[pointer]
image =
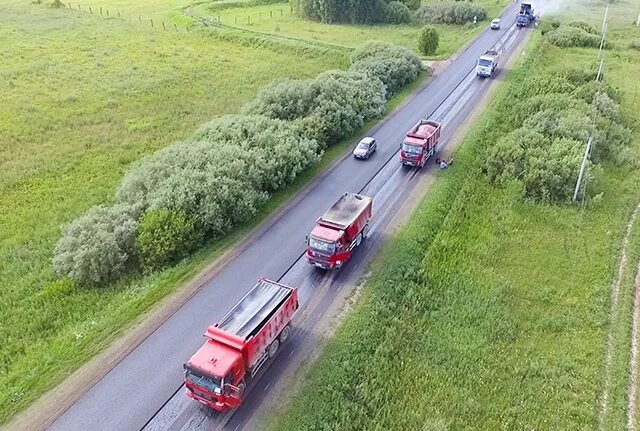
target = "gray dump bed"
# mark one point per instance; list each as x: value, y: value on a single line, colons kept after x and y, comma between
x: 346, y: 211
x: 255, y: 309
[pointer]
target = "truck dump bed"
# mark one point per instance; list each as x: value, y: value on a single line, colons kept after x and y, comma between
x: 255, y: 309
x: 346, y: 211
x: 424, y: 129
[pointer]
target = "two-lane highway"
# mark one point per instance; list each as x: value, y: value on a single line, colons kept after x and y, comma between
x: 144, y: 389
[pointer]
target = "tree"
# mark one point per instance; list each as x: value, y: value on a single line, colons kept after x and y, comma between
x: 428, y: 40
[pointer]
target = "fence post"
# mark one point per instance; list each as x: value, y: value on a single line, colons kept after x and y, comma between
x: 584, y: 164
x: 107, y: 12
x: 79, y: 6
x: 175, y: 26
x: 100, y: 10
x: 280, y: 12
x: 69, y: 5
x: 270, y: 14
x: 118, y: 14
x: 163, y: 27
x: 249, y: 19
x: 90, y: 11
x: 140, y: 19
x: 151, y: 23
x: 235, y: 20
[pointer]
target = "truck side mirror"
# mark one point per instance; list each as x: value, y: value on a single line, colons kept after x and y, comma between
x: 306, y: 239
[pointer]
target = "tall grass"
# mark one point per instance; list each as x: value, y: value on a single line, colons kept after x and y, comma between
x: 486, y: 312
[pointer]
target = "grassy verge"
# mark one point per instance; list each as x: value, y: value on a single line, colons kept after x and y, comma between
x: 277, y: 19
x: 487, y: 312
x: 104, y: 94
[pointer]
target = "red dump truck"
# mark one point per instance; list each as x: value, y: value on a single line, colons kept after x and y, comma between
x: 239, y: 344
x: 341, y: 229
x: 420, y: 143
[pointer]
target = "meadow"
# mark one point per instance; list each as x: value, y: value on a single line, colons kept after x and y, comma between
x: 277, y: 19
x: 489, y: 312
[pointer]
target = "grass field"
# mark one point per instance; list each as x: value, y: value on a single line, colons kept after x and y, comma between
x: 488, y: 313
x: 278, y: 19
x: 83, y: 97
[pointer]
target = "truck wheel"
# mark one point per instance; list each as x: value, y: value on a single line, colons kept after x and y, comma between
x: 364, y: 231
x: 359, y: 239
x: 284, y: 335
x: 273, y: 348
x: 241, y: 387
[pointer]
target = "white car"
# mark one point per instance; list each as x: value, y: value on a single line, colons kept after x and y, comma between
x: 495, y: 24
x: 365, y: 148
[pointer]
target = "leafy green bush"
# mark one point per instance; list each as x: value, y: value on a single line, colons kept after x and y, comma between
x: 397, y: 12
x: 584, y: 26
x: 450, y: 13
x: 428, y: 40
x: 412, y: 4
x: 341, y: 11
x: 340, y: 102
x: 165, y: 237
x: 95, y: 248
x: 225, y: 174
x: 566, y: 36
x: 634, y: 44
x: 548, y: 24
x: 395, y: 66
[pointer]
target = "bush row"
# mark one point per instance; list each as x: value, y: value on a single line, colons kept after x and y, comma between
x: 201, y: 188
x: 557, y: 116
x: 577, y: 34
x: 450, y: 13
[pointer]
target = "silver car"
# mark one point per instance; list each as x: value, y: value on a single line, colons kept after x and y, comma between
x: 495, y: 24
x: 365, y: 148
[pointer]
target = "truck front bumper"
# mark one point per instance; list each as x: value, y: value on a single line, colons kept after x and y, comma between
x: 215, y: 405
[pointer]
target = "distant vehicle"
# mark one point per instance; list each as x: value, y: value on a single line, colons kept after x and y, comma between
x: 341, y: 229
x: 239, y: 344
x: 420, y: 143
x: 366, y: 147
x: 495, y: 24
x: 525, y: 16
x: 487, y: 64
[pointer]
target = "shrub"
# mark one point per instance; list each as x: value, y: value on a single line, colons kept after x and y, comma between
x: 338, y: 101
x: 548, y: 24
x: 412, y: 4
x: 634, y: 44
x: 165, y: 237
x: 428, y: 40
x: 341, y: 11
x: 95, y: 248
x: 395, y: 66
x: 584, y: 26
x: 397, y: 13
x: 450, y: 13
x: 566, y: 37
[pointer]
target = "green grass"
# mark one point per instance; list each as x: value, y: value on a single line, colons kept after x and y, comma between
x: 277, y: 19
x: 485, y: 312
x: 84, y: 97
x: 72, y: 122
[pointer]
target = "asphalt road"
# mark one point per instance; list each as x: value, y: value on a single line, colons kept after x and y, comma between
x: 144, y: 390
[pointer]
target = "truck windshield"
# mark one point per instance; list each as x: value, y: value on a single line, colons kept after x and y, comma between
x: 484, y: 62
x: 211, y: 384
x: 411, y: 149
x: 322, y: 246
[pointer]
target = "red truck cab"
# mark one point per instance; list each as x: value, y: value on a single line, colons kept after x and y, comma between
x: 239, y: 344
x: 341, y: 229
x: 420, y: 143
